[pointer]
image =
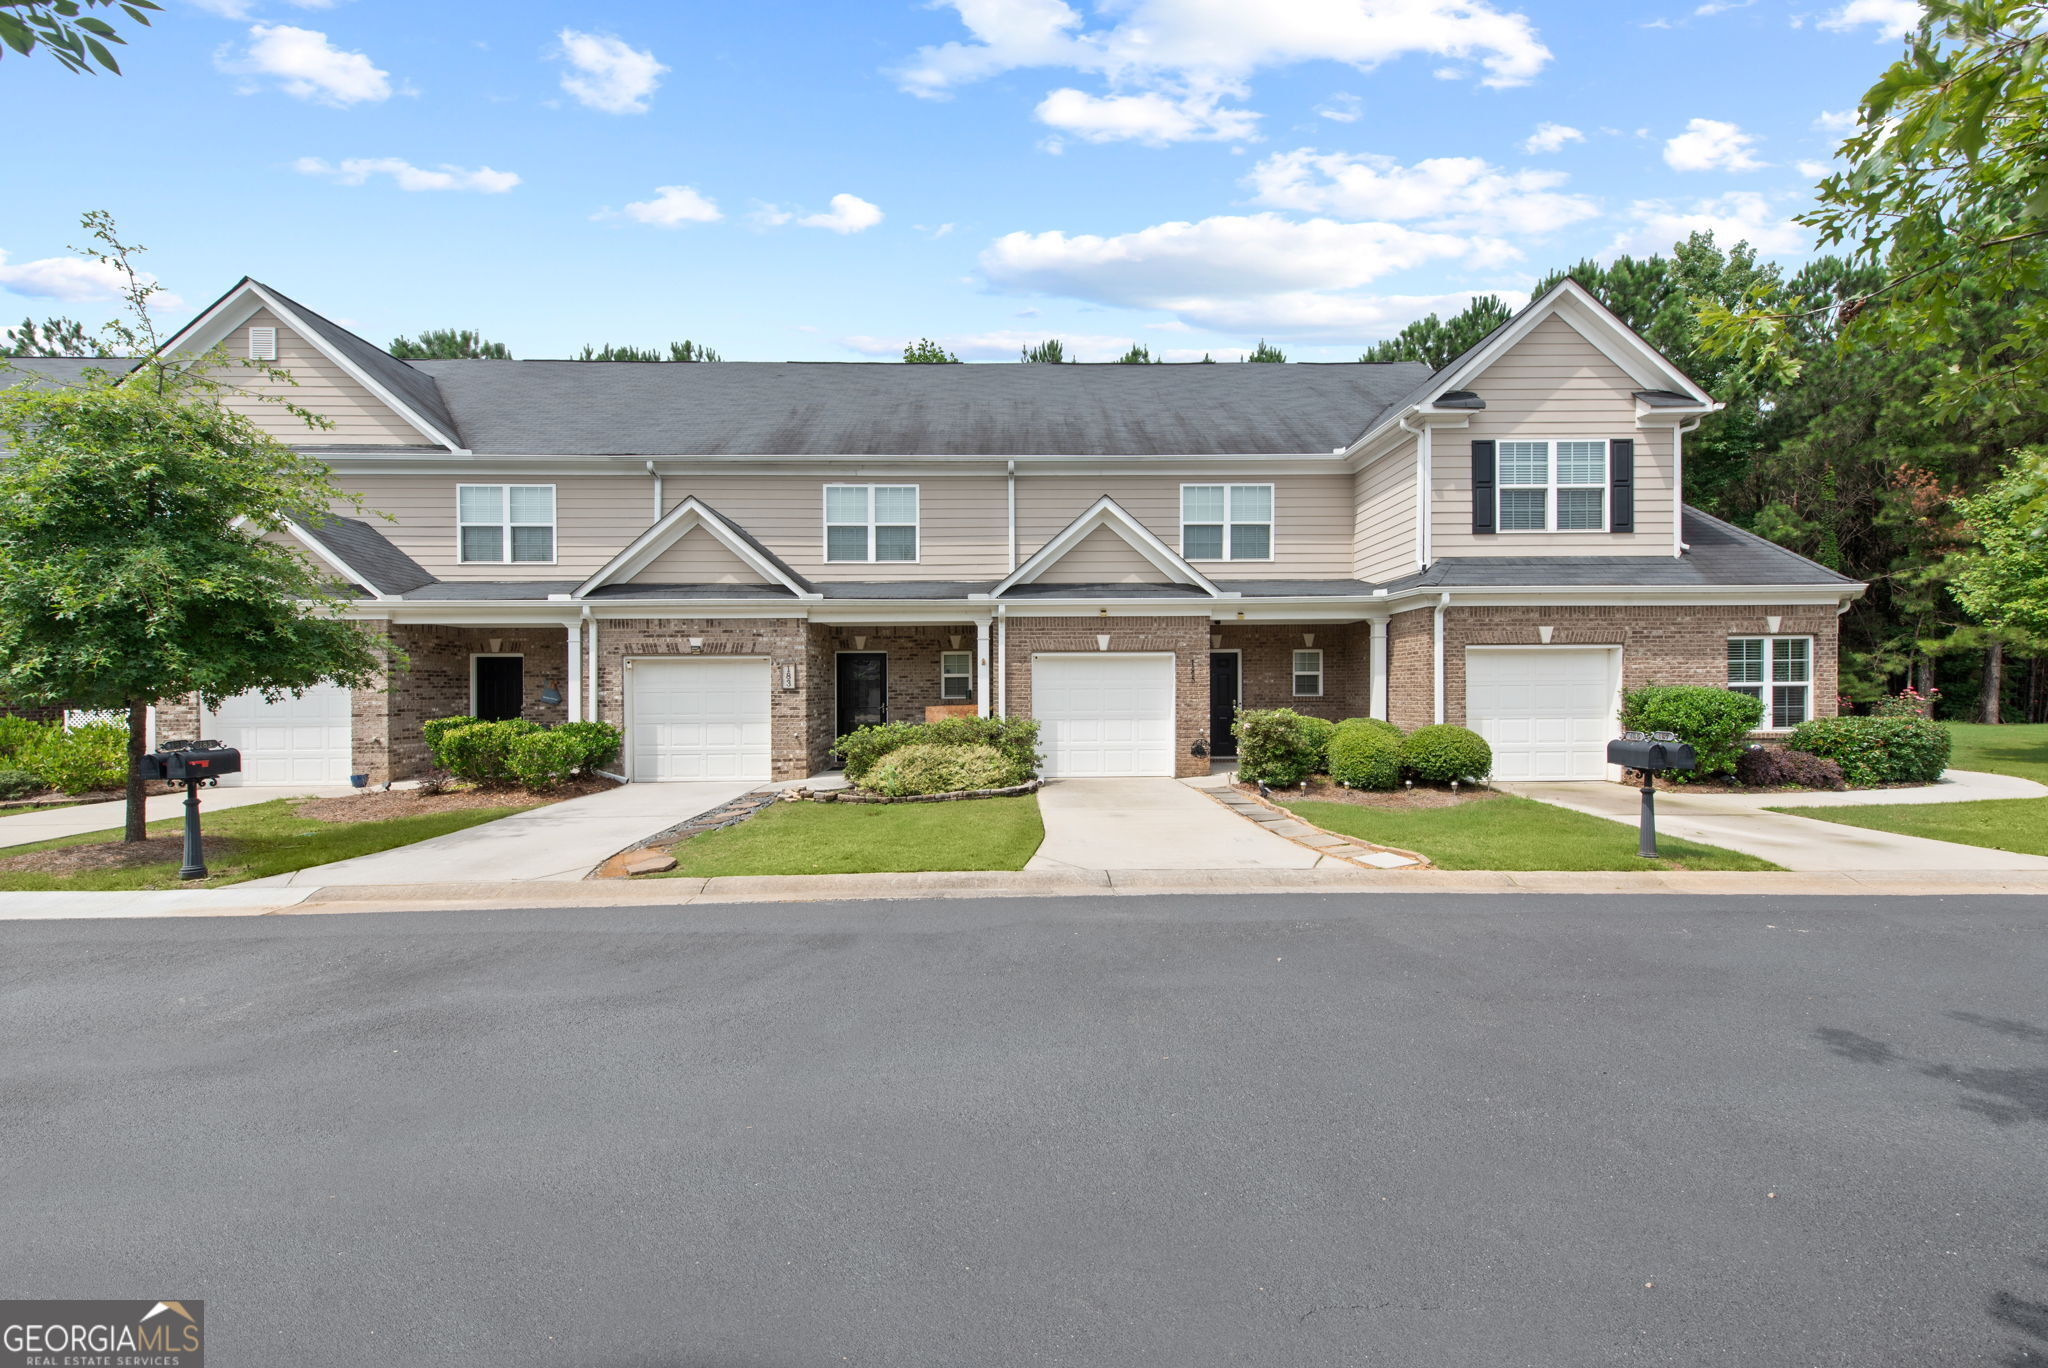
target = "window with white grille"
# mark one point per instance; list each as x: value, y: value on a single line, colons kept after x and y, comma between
x: 1778, y: 670
x: 506, y: 523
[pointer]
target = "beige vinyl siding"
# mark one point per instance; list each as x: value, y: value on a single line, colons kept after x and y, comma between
x: 596, y: 516
x: 1553, y: 385
x: 359, y: 417
x: 1312, y: 518
x: 1102, y: 557
x: 961, y: 532
x: 1383, y: 546
x: 698, y: 558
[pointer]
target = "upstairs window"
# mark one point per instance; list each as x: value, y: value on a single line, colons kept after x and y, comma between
x: 870, y: 522
x: 1226, y: 522
x: 1308, y: 674
x: 956, y: 675
x: 1778, y: 670
x: 1553, y: 486
x: 506, y: 523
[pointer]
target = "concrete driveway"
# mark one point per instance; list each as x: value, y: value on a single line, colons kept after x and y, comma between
x: 1738, y: 821
x: 1152, y: 824
x: 559, y: 842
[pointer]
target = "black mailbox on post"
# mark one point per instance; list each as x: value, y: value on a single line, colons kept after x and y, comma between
x: 191, y: 763
x: 1651, y: 753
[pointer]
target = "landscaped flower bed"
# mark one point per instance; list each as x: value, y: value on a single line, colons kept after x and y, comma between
x: 956, y: 757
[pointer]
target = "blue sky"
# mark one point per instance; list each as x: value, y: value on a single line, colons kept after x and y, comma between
x: 793, y: 181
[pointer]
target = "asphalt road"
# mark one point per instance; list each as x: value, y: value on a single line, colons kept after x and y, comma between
x: 1469, y: 1131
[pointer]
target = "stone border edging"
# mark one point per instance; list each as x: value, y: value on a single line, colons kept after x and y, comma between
x: 1337, y: 845
x: 850, y: 795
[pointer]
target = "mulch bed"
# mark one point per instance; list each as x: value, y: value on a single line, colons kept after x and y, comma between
x: 375, y: 805
x: 1404, y: 800
x: 81, y: 859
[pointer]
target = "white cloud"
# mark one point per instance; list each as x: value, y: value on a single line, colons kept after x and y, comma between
x: 1739, y: 216
x: 74, y: 280
x: 1712, y: 145
x: 1837, y: 120
x: 849, y: 214
x: 241, y: 9
x: 608, y: 74
x: 1342, y: 109
x: 1440, y: 191
x: 306, y: 65
x: 1814, y: 169
x: 672, y: 207
x: 1551, y: 137
x: 357, y: 170
x: 1257, y: 272
x: 1154, y: 118
x: 1892, y: 18
x: 1002, y: 344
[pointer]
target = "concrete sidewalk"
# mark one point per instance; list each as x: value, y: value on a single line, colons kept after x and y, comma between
x: 29, y: 827
x: 557, y: 843
x: 1738, y: 821
x: 1131, y: 824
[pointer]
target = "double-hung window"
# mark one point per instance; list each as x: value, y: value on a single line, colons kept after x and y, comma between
x: 1308, y: 674
x: 1226, y: 522
x: 956, y: 675
x: 1778, y: 670
x: 870, y: 522
x: 506, y: 523
x: 1553, y: 486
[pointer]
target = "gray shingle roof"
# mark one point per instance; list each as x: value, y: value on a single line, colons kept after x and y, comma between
x: 370, y: 553
x: 576, y: 408
x: 417, y: 389
x: 58, y: 370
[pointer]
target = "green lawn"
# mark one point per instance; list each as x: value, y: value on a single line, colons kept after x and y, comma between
x: 265, y: 839
x: 1516, y: 833
x: 2015, y: 824
x: 2021, y: 750
x: 862, y: 838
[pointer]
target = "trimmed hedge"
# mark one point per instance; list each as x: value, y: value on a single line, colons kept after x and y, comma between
x: 518, y: 750
x: 16, y: 783
x: 544, y: 759
x: 1443, y: 753
x: 1877, y: 750
x: 87, y: 759
x: 1320, y: 731
x: 1015, y: 739
x: 1769, y: 767
x: 599, y: 742
x: 1714, y: 722
x: 1278, y: 745
x: 939, y: 768
x: 1363, y: 755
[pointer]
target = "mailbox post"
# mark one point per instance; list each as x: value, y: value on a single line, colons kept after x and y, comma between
x: 1651, y: 753
x: 194, y: 764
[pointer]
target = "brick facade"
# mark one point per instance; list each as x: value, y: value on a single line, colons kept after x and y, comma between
x: 1187, y: 638
x: 913, y: 671
x: 1266, y: 662
x: 1411, y: 667
x: 783, y: 641
x: 436, y: 683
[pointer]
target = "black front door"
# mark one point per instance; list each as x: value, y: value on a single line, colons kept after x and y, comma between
x: 500, y: 680
x: 1223, y: 697
x: 863, y: 689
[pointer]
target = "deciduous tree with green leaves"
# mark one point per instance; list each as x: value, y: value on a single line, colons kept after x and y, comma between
x: 76, y: 39
x: 2003, y: 578
x: 132, y: 564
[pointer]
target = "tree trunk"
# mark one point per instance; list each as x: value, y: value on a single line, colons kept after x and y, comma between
x: 137, y: 828
x: 1994, y: 683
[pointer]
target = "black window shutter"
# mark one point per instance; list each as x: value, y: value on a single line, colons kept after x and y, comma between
x: 1621, y: 485
x: 1483, y: 497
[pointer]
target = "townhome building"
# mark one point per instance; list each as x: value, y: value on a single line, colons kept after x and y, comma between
x: 739, y: 562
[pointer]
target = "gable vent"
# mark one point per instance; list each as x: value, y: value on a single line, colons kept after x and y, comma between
x: 263, y: 344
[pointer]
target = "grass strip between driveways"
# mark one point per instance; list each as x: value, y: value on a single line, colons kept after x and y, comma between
x: 2019, y: 825
x: 255, y: 842
x: 1516, y: 834
x: 863, y: 838
x: 2020, y: 749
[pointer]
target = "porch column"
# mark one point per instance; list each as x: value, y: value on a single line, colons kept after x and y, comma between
x: 575, y: 629
x: 596, y: 699
x: 981, y: 700
x: 1376, y: 671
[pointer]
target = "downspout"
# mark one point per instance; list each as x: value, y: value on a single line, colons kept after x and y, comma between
x: 1422, y: 481
x: 1443, y: 602
x: 1013, y: 514
x: 657, y: 490
x: 1678, y: 431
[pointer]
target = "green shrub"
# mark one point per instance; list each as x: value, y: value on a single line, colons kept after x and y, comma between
x: 938, y: 768
x: 20, y: 735
x: 1013, y: 738
x: 482, y: 751
x: 1277, y: 745
x: 1320, y: 730
x: 437, y: 730
x: 16, y: 783
x: 544, y: 759
x: 1877, y: 750
x: 1440, y: 754
x: 1714, y: 722
x: 598, y: 743
x: 1379, y: 723
x: 1363, y: 756
x: 87, y: 759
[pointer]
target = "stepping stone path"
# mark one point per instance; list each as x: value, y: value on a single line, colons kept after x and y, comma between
x: 1301, y: 833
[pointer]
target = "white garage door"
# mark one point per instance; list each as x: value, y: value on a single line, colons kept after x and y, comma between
x: 1548, y: 713
x: 303, y: 740
x: 1104, y: 716
x: 699, y: 719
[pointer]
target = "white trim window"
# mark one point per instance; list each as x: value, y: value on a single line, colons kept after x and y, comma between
x: 1308, y: 674
x: 1778, y: 671
x: 956, y: 676
x: 870, y: 522
x: 505, y: 524
x: 1552, y: 486
x: 1226, y: 522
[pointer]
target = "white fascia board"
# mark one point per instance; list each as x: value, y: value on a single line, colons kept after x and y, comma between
x: 361, y: 377
x: 836, y: 467
x: 1106, y: 512
x: 685, y: 517
x: 326, y: 555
